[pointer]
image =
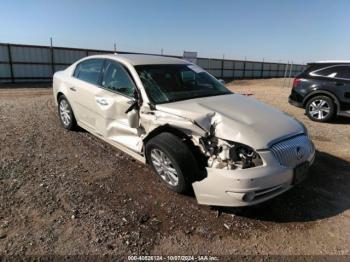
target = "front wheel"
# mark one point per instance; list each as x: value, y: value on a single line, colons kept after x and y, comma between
x: 320, y: 109
x: 173, y: 161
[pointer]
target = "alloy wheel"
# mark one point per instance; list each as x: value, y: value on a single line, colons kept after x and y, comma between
x: 164, y: 167
x: 319, y: 109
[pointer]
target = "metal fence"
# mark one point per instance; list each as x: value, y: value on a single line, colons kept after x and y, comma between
x: 28, y: 63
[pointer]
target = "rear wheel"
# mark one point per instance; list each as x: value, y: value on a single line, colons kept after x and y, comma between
x: 320, y: 108
x: 173, y: 161
x: 66, y: 113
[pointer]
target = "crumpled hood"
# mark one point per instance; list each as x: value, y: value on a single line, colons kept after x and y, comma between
x: 238, y: 118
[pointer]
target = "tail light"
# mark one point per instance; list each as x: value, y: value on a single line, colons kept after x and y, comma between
x: 296, y: 82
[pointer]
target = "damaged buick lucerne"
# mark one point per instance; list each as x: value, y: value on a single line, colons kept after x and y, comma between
x: 231, y: 149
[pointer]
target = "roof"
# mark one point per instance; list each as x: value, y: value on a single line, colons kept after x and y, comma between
x: 332, y: 62
x: 136, y: 59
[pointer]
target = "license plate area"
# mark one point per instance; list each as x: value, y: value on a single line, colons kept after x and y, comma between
x: 300, y: 172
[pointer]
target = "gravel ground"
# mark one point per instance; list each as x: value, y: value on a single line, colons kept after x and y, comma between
x: 68, y: 193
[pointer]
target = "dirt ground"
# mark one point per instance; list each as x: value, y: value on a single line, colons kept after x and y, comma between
x: 69, y: 193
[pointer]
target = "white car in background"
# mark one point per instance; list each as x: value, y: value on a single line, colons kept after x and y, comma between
x: 231, y: 149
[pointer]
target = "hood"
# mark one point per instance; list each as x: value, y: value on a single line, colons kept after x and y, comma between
x: 237, y: 118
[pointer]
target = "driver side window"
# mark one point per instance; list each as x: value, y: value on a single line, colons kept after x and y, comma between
x: 116, y: 78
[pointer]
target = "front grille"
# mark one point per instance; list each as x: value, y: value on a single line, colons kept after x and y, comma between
x: 293, y: 151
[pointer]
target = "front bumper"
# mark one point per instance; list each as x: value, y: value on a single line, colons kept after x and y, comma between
x: 245, y: 187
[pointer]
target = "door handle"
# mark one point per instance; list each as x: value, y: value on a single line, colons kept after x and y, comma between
x: 102, y: 101
x: 73, y: 89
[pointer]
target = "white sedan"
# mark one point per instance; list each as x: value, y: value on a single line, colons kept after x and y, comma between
x: 231, y: 149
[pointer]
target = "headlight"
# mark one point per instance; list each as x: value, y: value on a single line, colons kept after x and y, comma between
x: 231, y: 155
x: 245, y: 155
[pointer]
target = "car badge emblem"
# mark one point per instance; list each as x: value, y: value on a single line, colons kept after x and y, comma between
x: 300, y: 153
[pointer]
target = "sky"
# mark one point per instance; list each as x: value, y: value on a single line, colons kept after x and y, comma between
x: 274, y: 30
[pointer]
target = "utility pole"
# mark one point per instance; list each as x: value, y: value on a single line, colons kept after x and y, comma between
x: 161, y: 51
x: 52, y: 57
x: 115, y: 47
x: 285, y: 74
x: 290, y: 73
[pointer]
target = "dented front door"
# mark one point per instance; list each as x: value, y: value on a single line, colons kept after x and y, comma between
x: 112, y: 100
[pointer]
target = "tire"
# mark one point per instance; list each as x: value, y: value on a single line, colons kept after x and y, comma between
x: 181, y: 160
x: 65, y: 113
x: 320, y: 109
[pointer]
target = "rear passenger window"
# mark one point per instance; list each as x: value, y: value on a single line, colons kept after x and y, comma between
x: 89, y: 70
x: 333, y: 72
x: 344, y: 72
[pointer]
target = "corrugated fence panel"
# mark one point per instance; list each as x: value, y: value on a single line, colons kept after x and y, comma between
x: 256, y: 73
x: 248, y: 74
x: 203, y: 62
x: 30, y: 54
x: 228, y: 73
x: 257, y: 66
x: 217, y: 64
x: 274, y: 67
x: 267, y: 66
x: 4, y: 56
x: 31, y: 70
x: 34, y: 63
x: 60, y: 67
x: 228, y: 64
x: 238, y: 73
x: 266, y: 74
x: 239, y: 65
x: 5, y: 70
x: 67, y: 56
x: 248, y: 66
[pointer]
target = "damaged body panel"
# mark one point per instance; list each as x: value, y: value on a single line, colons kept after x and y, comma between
x: 245, y: 151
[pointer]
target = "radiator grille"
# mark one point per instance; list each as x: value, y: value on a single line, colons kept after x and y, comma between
x: 293, y: 151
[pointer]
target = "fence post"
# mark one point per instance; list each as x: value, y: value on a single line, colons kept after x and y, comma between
x: 10, y: 62
x: 52, y: 58
x: 233, y: 69
x: 278, y: 69
x: 285, y: 73
x: 245, y: 59
x: 290, y: 73
x: 262, y: 69
x: 222, y: 68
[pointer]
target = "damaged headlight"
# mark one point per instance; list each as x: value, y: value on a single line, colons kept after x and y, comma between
x: 229, y: 155
x: 245, y: 155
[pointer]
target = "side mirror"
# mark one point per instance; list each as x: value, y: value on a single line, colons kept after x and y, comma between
x: 133, y: 118
x: 133, y: 110
x: 222, y: 81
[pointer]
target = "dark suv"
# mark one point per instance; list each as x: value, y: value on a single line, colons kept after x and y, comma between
x: 323, y: 89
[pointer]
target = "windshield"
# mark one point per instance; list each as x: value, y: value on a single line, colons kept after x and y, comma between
x: 169, y: 83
